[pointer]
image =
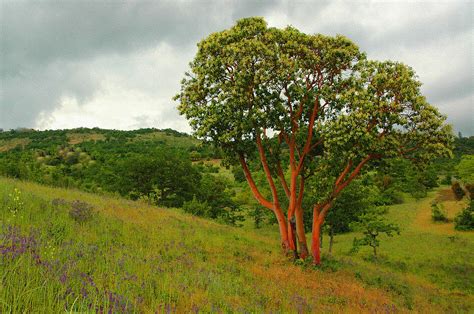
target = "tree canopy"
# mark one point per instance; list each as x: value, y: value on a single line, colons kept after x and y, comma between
x: 307, y: 104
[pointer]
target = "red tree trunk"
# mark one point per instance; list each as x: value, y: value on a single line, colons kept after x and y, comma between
x: 285, y: 243
x: 315, y: 243
x: 301, y: 233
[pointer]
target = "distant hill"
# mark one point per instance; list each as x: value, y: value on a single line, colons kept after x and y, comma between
x: 132, y: 163
x: 33, y: 139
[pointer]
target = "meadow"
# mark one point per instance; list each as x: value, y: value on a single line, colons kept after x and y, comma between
x: 128, y: 256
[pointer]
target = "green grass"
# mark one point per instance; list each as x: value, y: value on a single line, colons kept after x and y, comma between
x: 426, y: 253
x: 131, y: 257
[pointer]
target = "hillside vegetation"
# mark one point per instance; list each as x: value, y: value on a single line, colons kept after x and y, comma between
x: 128, y: 256
x: 137, y: 245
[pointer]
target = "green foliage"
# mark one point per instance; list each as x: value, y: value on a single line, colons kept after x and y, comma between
x: 464, y: 146
x: 321, y: 98
x: 373, y: 224
x: 238, y: 174
x: 465, y: 219
x: 197, y: 208
x: 465, y: 169
x: 258, y: 215
x: 390, y: 196
x: 447, y: 180
x: 438, y: 213
x: 164, y: 176
x: 349, y: 207
x: 215, y: 193
x: 247, y: 78
x: 397, y: 176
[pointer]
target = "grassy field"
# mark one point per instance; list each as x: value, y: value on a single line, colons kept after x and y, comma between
x: 131, y: 257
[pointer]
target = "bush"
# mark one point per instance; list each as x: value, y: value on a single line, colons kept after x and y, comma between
x: 80, y: 211
x: 390, y: 197
x: 232, y: 216
x: 197, y: 208
x: 457, y: 190
x: 438, y: 213
x: 465, y: 219
x: 448, y: 180
x: 258, y: 214
x: 419, y: 192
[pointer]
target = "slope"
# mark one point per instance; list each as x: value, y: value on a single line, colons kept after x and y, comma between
x: 130, y: 257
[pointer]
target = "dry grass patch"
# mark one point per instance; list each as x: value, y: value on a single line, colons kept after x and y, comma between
x: 77, y: 138
x: 424, y: 222
x: 6, y: 145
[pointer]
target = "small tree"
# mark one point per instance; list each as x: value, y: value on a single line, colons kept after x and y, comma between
x: 465, y: 219
x: 347, y: 209
x: 372, y: 224
x: 438, y: 213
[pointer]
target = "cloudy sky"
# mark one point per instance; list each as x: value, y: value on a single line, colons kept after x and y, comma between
x: 117, y: 64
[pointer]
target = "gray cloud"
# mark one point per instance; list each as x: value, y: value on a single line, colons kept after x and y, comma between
x: 117, y: 64
x: 43, y: 44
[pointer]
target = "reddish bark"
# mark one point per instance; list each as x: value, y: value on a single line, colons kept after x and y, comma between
x: 303, y: 246
x: 266, y: 203
x: 320, y: 210
x: 300, y: 230
x: 315, y: 245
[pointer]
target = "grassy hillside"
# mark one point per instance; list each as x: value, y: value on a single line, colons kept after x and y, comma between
x: 131, y: 257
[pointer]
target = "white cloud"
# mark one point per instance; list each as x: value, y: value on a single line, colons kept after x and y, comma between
x: 132, y: 87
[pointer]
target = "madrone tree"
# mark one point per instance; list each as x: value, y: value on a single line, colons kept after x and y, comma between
x: 306, y: 105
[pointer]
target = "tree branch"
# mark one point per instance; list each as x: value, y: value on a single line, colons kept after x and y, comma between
x: 283, y: 182
x: 266, y: 169
x: 253, y: 187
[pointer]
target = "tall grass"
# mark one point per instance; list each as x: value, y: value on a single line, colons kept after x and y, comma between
x: 130, y: 257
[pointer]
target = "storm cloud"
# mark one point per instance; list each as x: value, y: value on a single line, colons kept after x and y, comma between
x: 118, y: 64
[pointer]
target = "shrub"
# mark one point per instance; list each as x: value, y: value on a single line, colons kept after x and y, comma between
x: 197, y: 208
x: 438, y: 213
x: 232, y: 216
x: 80, y: 211
x: 258, y: 214
x: 390, y: 197
x: 457, y: 190
x: 448, y: 180
x: 419, y: 192
x: 465, y: 219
